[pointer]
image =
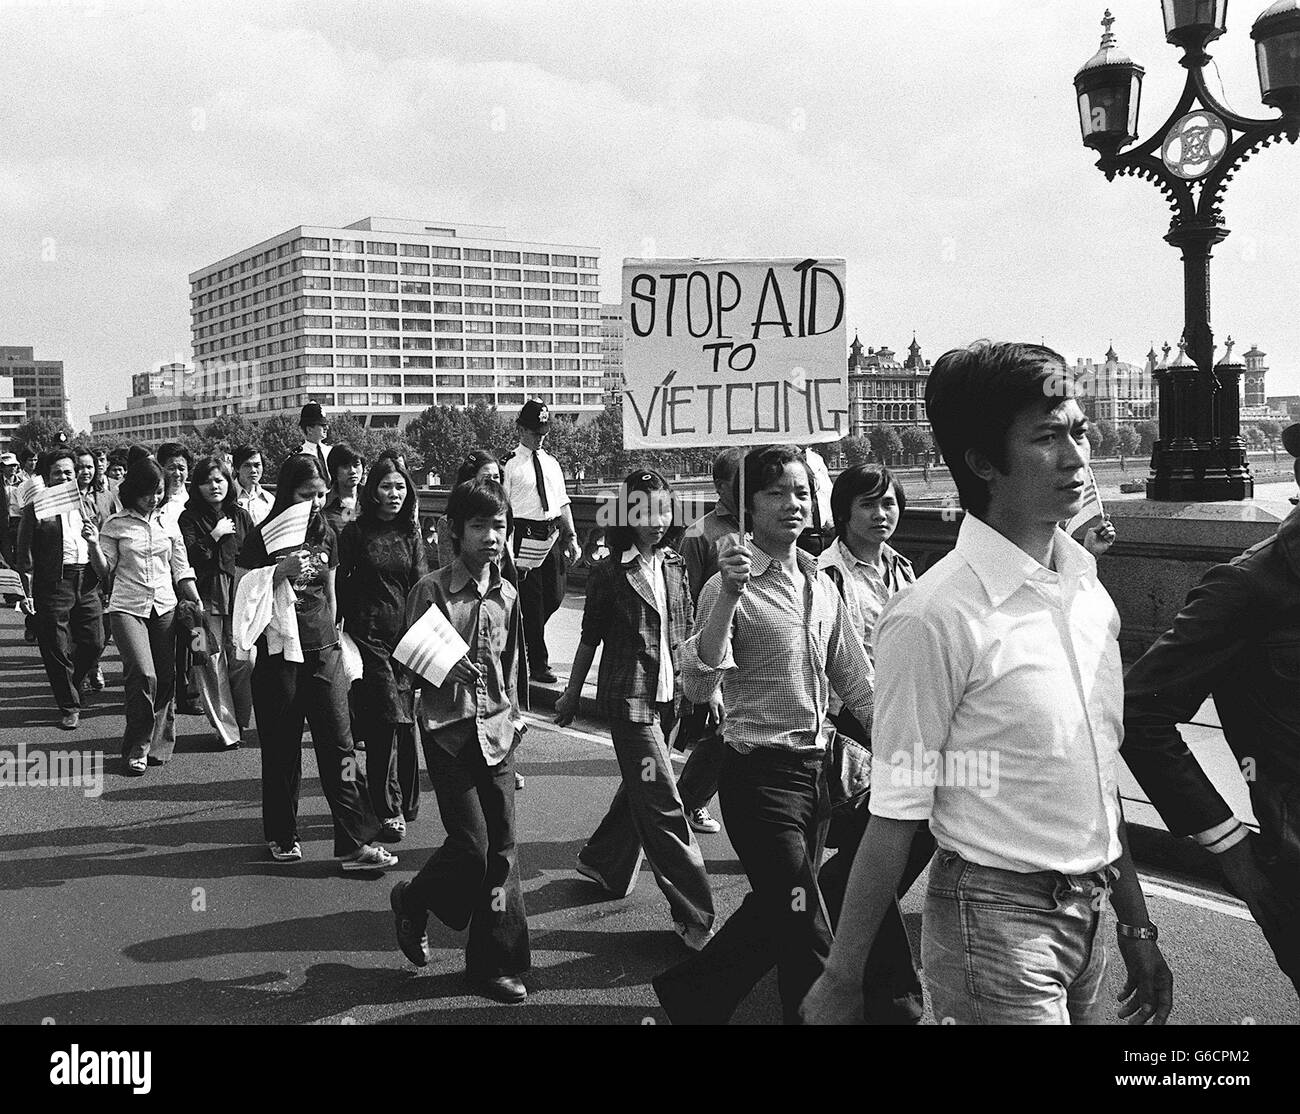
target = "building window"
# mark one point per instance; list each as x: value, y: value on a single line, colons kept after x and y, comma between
x: 381, y: 286
x: 355, y: 247
x: 478, y: 272
x: 349, y: 322
x: 381, y: 248
x: 419, y: 380
x: 416, y: 251
x: 385, y: 342
x: 505, y: 257
x: 417, y: 361
x: 442, y: 270
x: 349, y: 284
x: 446, y: 253
x: 414, y: 269
x: 381, y: 267
x: 536, y: 257
x: 479, y: 255
x: 450, y: 361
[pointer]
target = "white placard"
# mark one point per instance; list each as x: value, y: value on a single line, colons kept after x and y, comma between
x: 734, y: 352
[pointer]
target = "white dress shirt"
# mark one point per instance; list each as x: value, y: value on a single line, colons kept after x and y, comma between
x: 323, y: 455
x: 999, y: 706
x: 520, y: 482
x: 257, y: 503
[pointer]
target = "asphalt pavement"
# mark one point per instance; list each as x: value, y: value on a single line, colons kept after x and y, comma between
x: 153, y: 901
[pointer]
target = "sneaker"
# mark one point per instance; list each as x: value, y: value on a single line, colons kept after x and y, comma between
x: 96, y: 680
x: 519, y: 781
x: 694, y: 936
x: 285, y: 852
x: 393, y: 830
x: 411, y: 935
x: 702, y: 821
x: 369, y: 857
x: 71, y: 718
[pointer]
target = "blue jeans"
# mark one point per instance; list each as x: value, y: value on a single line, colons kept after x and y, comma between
x: 1003, y: 948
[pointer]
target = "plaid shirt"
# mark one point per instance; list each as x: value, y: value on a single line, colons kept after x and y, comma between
x: 620, y: 612
x: 784, y: 656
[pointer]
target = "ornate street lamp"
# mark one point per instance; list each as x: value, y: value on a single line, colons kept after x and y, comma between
x: 1200, y: 454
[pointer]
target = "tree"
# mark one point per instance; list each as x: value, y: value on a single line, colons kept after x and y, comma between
x: 493, y: 431
x: 234, y: 429
x: 281, y: 437
x: 1094, y: 438
x: 917, y: 442
x: 608, y: 457
x: 1108, y: 445
x: 444, y: 437
x: 41, y: 434
x: 857, y: 450
x: 1147, y: 433
x: 1127, y: 441
x: 1254, y: 436
x: 1271, y: 431
x: 885, y: 443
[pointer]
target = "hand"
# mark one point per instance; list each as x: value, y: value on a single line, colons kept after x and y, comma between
x: 1248, y: 881
x: 733, y: 564
x: 832, y: 1002
x: 289, y: 568
x: 223, y: 527
x: 465, y: 672
x: 1148, y: 993
x: 565, y: 708
x: 89, y: 534
x: 573, y: 551
x: 713, y: 717
x: 1100, y: 538
x: 28, y: 605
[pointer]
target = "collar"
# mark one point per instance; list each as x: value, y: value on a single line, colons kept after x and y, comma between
x: 460, y: 578
x: 761, y: 561
x: 524, y: 452
x: 631, y: 555
x: 1003, y: 568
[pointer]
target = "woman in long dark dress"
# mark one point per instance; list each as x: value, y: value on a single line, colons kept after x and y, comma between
x: 381, y: 556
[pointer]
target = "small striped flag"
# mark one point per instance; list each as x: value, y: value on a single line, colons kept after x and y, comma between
x: 533, y: 551
x: 288, y: 530
x: 1091, y: 505
x: 11, y: 584
x: 431, y: 647
x: 50, y: 502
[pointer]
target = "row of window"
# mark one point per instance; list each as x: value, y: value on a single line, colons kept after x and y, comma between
x: 344, y: 399
x: 410, y: 379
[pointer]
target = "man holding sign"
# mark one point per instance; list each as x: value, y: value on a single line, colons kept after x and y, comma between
x: 68, y: 609
x: 462, y: 642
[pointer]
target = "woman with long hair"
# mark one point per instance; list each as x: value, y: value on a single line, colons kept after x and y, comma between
x: 639, y: 607
x: 214, y: 527
x: 381, y: 557
x: 304, y: 679
x: 144, y: 554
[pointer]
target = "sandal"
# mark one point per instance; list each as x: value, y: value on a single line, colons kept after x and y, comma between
x: 135, y: 767
x: 369, y: 858
x: 393, y: 830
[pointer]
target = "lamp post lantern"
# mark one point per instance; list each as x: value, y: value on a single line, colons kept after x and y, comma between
x: 1199, y: 454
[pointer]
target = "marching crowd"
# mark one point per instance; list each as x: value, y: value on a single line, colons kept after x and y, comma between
x: 970, y: 719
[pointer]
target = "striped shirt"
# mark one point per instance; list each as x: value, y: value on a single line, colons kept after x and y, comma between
x: 784, y: 656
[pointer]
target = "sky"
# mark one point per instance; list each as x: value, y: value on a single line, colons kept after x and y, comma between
x: 934, y: 144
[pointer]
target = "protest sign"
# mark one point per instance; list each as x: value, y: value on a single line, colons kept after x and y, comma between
x: 734, y: 352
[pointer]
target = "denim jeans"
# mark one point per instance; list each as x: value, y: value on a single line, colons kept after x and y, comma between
x: 392, y: 768
x: 646, y: 818
x: 698, y: 781
x: 284, y: 693
x: 1003, y: 948
x: 770, y: 804
x: 473, y: 878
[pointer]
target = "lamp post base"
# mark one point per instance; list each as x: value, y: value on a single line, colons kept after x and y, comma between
x: 1202, y: 475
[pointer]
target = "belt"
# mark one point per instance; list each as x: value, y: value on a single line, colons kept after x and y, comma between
x: 73, y: 572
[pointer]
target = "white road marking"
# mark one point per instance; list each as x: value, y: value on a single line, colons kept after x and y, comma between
x: 1188, y: 897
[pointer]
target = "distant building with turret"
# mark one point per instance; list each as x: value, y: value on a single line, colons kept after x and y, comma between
x: 884, y: 391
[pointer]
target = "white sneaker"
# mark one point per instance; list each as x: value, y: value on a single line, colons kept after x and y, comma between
x: 701, y: 821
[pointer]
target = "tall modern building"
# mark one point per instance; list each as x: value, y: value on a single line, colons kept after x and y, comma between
x: 39, y: 383
x: 612, y: 334
x: 169, y: 379
x: 886, y: 391
x: 13, y: 412
x: 386, y: 317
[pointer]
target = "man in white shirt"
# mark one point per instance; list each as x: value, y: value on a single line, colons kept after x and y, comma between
x: 253, y: 497
x: 315, y: 428
x: 999, y: 715
x: 177, y: 462
x: 534, y: 484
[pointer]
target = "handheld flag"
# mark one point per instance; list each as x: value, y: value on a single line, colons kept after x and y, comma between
x: 431, y: 647
x: 50, y: 502
x: 11, y: 584
x: 287, y: 530
x: 1091, y: 506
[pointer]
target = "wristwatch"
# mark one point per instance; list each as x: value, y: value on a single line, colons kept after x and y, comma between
x: 1137, y: 932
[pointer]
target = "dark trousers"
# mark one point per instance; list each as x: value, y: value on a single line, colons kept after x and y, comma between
x: 698, y: 783
x: 149, y: 678
x: 473, y: 878
x: 770, y: 804
x: 890, y: 982
x: 69, y: 632
x: 392, y: 769
x: 541, y: 591
x: 284, y: 694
